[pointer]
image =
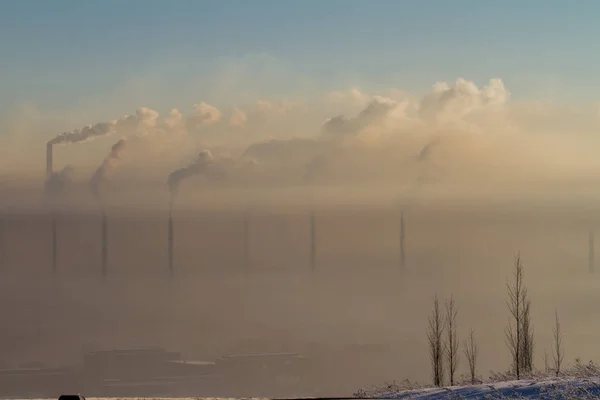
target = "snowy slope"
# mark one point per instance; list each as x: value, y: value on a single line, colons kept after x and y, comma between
x: 546, y: 389
x: 573, y: 388
x: 543, y: 389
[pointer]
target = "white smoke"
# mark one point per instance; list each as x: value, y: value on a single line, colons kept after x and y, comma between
x: 376, y: 111
x: 392, y: 138
x: 446, y: 103
x: 352, y: 97
x: 174, y: 121
x: 277, y: 150
x: 103, y: 172
x: 238, y: 117
x: 267, y: 108
x: 199, y: 166
x: 144, y: 120
x: 216, y: 169
x: 384, y: 133
x: 88, y: 132
x: 203, y: 115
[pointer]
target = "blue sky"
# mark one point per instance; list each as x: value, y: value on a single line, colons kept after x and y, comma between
x: 69, y: 54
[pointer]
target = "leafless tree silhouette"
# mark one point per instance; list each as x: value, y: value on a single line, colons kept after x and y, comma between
x: 434, y: 337
x: 519, y: 332
x: 558, y: 349
x: 451, y: 344
x: 470, y: 349
x: 527, y: 336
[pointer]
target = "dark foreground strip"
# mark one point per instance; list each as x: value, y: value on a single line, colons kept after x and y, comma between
x: 315, y: 398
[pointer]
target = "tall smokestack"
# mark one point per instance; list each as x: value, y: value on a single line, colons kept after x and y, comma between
x: 49, y: 160
x: 402, y: 254
x: 170, y: 240
x: 591, y: 252
x: 246, y: 242
x: 104, y: 244
x: 2, y: 242
x: 313, y: 242
x: 54, y: 246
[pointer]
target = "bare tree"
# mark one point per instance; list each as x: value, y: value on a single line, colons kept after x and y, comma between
x: 558, y: 349
x: 434, y: 338
x: 546, y: 365
x: 451, y: 344
x: 527, y: 337
x: 471, y: 355
x: 519, y: 333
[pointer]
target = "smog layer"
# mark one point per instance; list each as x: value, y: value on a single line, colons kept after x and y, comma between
x: 459, y: 140
x: 279, y: 226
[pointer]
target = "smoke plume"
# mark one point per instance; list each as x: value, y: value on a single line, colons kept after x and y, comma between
x: 203, y: 115
x: 174, y: 121
x: 142, y: 122
x: 238, y: 117
x: 108, y: 165
x: 88, y: 132
x: 387, y: 138
x: 375, y: 112
x: 199, y: 166
x: 58, y: 183
x: 445, y: 102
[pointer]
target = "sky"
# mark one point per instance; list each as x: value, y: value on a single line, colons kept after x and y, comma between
x: 67, y: 54
x: 280, y: 69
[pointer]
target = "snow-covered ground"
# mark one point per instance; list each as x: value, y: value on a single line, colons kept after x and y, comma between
x: 568, y: 388
x: 580, y: 381
x: 544, y: 389
x: 584, y: 386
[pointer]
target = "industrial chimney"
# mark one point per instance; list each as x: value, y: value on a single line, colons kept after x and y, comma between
x: 104, y: 244
x: 54, y: 246
x: 246, y: 242
x: 591, y: 252
x: 170, y: 240
x: 402, y: 254
x: 313, y: 242
x: 2, y: 242
x: 49, y: 161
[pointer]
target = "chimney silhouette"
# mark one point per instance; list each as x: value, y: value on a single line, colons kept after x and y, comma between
x: 2, y: 241
x: 246, y: 241
x: 49, y: 161
x: 313, y: 242
x: 54, y: 245
x: 591, y: 252
x: 170, y: 240
x: 104, y: 244
x: 402, y: 233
